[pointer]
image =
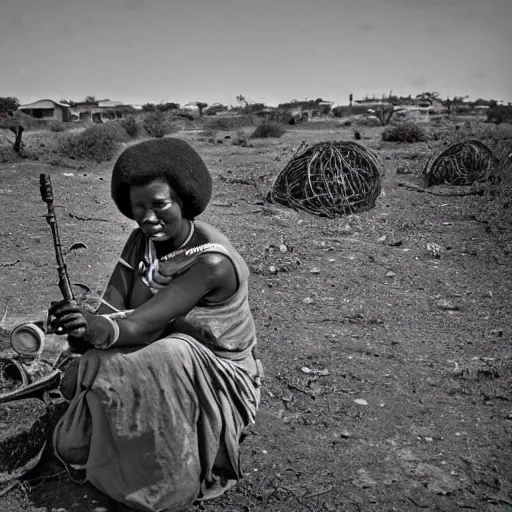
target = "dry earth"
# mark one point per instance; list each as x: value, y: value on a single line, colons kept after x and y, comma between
x: 388, y: 371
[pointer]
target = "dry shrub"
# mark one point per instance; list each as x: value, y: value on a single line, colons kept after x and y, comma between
x: 365, y: 121
x: 500, y: 114
x: 407, y: 131
x: 267, y: 130
x: 384, y: 114
x: 131, y: 126
x: 341, y: 111
x: 7, y: 154
x: 58, y: 126
x: 228, y: 123
x: 98, y: 142
x: 43, y: 145
x: 490, y: 134
x: 30, y: 123
x: 157, y: 124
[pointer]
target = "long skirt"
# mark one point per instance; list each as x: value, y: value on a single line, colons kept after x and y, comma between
x: 159, y: 426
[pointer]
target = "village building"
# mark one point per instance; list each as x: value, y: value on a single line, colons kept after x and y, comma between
x: 266, y: 113
x: 105, y: 104
x: 101, y: 110
x: 371, y: 102
x: 47, y: 109
x: 307, y: 109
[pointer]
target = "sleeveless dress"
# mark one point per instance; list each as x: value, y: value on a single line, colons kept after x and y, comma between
x: 158, y: 426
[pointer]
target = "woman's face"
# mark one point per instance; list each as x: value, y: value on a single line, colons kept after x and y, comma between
x: 156, y: 210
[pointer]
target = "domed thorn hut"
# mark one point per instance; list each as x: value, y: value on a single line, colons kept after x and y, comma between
x: 329, y: 179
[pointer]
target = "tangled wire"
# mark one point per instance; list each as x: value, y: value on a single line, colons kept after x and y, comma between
x: 462, y: 163
x: 329, y: 179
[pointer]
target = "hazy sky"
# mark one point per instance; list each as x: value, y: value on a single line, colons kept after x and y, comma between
x: 268, y: 50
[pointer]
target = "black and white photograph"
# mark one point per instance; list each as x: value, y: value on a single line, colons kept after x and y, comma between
x: 256, y: 255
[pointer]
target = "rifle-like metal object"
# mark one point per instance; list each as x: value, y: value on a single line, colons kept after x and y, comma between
x: 47, y: 196
x: 64, y: 282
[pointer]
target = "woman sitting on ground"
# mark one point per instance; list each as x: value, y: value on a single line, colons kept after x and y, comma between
x: 167, y: 380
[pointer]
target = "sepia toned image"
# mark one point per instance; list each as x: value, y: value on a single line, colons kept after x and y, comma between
x: 255, y: 255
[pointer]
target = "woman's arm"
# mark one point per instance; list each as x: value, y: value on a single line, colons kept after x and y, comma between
x: 115, y: 297
x: 119, y: 287
x: 147, y: 322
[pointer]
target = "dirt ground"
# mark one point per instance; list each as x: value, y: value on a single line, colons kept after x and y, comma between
x: 388, y: 371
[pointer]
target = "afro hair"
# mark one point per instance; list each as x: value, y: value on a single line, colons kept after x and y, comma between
x: 169, y: 159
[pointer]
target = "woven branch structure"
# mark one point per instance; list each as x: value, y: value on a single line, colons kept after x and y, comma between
x: 462, y: 163
x: 329, y: 179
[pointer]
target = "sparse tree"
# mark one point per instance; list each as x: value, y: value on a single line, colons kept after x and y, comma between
x: 215, y: 109
x: 165, y: 107
x: 454, y: 102
x: 448, y: 104
x: 428, y: 97
x: 242, y: 99
x: 90, y: 100
x: 8, y: 107
x: 201, y: 105
x: 457, y: 101
x: 394, y: 100
x: 384, y: 114
x: 249, y: 106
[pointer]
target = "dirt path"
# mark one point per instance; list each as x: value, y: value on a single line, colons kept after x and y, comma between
x: 388, y: 371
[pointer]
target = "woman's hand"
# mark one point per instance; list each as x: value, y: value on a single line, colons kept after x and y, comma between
x: 66, y: 317
x: 85, y: 330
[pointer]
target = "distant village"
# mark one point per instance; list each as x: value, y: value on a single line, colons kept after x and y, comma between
x: 98, y: 111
